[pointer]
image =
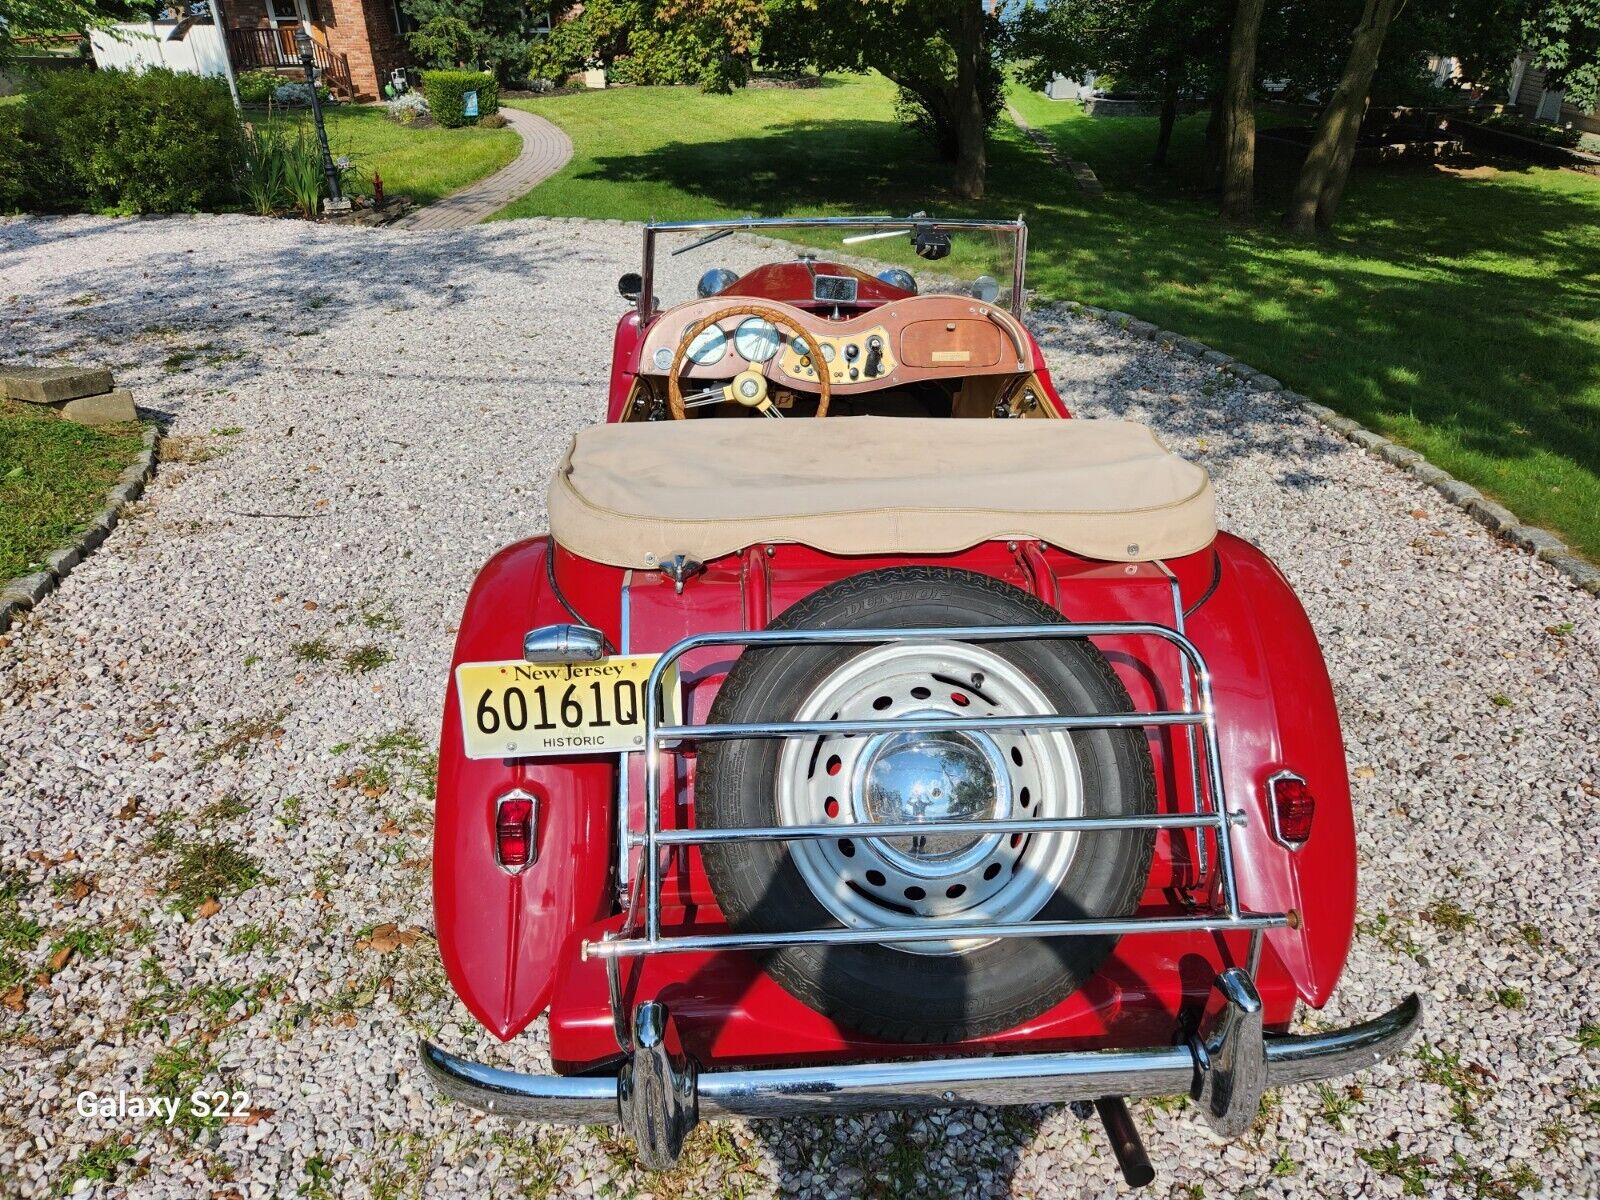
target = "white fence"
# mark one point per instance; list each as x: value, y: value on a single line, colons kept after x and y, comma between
x: 140, y: 45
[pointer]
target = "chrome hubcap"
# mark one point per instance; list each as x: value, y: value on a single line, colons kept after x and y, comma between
x: 930, y: 776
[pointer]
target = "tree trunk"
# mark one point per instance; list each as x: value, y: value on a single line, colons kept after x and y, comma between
x: 1164, y: 136
x: 1239, y: 115
x: 1333, y: 145
x: 971, y: 129
x: 1211, y: 167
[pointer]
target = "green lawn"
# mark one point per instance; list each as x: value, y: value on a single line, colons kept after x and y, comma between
x: 54, y: 476
x: 1458, y: 312
x: 425, y: 164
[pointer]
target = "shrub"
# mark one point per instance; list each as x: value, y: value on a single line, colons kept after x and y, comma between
x: 446, y: 95
x: 11, y: 159
x: 494, y: 120
x: 1551, y: 135
x: 298, y: 94
x: 112, y: 141
x: 407, y: 108
x: 256, y: 87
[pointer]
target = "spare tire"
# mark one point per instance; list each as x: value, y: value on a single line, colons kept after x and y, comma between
x: 949, y: 990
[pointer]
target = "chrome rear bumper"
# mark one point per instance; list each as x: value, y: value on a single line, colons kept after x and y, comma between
x: 938, y: 1083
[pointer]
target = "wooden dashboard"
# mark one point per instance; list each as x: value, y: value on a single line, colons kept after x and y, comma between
x: 900, y: 342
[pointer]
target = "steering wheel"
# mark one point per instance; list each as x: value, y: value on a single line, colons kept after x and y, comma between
x: 749, y: 387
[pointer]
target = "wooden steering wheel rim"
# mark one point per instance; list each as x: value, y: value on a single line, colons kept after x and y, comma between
x: 778, y: 319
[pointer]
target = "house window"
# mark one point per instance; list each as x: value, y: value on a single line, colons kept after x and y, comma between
x: 541, y: 23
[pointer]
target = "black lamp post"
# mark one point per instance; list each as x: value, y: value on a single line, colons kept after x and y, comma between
x: 335, y: 201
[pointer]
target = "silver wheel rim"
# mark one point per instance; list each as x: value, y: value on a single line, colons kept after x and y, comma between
x: 897, y: 883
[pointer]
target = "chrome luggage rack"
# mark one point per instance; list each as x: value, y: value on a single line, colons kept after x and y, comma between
x: 1206, y: 811
x: 659, y: 1093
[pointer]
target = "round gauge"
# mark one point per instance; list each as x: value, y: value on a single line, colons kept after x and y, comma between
x: 827, y: 352
x: 708, y: 348
x: 663, y: 358
x: 756, y: 340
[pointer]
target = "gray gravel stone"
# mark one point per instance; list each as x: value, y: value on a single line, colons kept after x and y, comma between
x: 31, y: 588
x: 1400, y: 456
x: 1368, y: 440
x: 62, y: 561
x: 1541, y: 542
x: 1459, y: 493
x: 1495, y: 516
x: 436, y: 357
x: 1585, y: 574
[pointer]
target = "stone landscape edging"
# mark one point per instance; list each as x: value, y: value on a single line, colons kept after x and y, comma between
x: 1498, y: 519
x: 25, y: 591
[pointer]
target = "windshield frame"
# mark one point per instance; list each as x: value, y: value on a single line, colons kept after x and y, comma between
x: 1017, y: 228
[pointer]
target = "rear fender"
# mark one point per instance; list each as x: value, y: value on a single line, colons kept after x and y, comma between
x: 1275, y: 712
x: 501, y: 935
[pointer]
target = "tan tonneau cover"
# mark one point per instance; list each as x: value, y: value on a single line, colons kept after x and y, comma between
x: 634, y: 495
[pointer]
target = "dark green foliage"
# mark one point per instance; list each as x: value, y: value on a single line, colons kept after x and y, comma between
x: 446, y: 93
x: 484, y: 35
x: 659, y: 42
x: 256, y: 87
x: 113, y: 141
x: 1550, y: 135
x: 10, y: 158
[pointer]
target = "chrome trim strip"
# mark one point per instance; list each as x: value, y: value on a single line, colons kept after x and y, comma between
x: 1201, y: 856
x: 943, y: 724
x: 936, y: 1083
x: 862, y: 829
x: 934, y: 931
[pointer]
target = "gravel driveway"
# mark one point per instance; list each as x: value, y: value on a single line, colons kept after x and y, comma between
x: 237, y: 697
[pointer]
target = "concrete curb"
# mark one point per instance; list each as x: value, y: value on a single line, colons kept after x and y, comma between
x: 26, y: 591
x: 1541, y: 543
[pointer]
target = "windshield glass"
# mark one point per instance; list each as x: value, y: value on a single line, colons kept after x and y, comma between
x: 939, y: 257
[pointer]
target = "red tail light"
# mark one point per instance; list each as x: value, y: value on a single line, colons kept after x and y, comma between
x: 515, y: 817
x: 1293, y: 806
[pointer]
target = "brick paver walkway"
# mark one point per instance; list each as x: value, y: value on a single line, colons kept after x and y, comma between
x: 545, y: 150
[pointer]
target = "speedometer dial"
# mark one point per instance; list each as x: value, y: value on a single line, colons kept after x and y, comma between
x: 756, y: 340
x: 708, y: 347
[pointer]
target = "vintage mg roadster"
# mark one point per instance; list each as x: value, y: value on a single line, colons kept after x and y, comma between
x: 867, y: 733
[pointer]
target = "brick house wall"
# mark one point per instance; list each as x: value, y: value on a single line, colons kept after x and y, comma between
x: 361, y: 30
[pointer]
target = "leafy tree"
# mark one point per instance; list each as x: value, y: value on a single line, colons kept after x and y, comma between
x: 1238, y: 113
x: 1564, y: 38
x: 1171, y: 48
x: 481, y: 35
x: 21, y: 17
x: 1333, y: 144
x: 708, y: 42
x: 945, y: 56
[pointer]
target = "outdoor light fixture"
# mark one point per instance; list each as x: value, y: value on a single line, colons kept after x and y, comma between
x: 336, y: 202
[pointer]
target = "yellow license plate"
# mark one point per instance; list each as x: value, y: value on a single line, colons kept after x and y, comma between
x: 519, y: 709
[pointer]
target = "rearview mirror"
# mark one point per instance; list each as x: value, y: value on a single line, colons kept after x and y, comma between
x: 630, y: 285
x: 985, y: 288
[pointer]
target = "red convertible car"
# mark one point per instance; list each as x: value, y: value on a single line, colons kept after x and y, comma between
x: 867, y: 733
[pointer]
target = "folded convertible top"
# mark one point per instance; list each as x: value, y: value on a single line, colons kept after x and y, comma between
x: 634, y: 495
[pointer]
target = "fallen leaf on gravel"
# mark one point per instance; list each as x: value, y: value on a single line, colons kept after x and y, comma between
x: 80, y: 889
x: 414, y: 864
x: 16, y: 999
x: 389, y: 828
x: 310, y: 606
x: 388, y: 938
x: 158, y: 756
x: 59, y: 959
x: 209, y: 909
x: 1419, y: 513
x: 127, y: 811
x: 1363, y: 772
x: 252, y: 1117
